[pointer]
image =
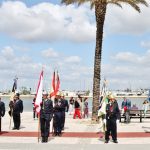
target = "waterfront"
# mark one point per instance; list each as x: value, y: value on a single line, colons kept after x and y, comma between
x: 27, y: 101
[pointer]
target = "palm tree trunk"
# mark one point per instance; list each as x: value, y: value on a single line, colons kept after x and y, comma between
x: 100, y: 12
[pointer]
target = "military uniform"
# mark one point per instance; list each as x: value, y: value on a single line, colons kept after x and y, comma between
x: 46, y: 115
x: 64, y: 108
x: 112, y: 114
x: 57, y: 119
x: 16, y: 107
x: 2, y: 111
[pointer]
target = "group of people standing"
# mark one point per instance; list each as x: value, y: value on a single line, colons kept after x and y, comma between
x: 55, y: 111
x: 16, y: 107
x: 80, y: 106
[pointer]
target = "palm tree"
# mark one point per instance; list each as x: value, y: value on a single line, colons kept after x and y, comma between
x: 100, y: 13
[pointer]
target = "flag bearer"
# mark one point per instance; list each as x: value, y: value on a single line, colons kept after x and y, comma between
x: 46, y: 115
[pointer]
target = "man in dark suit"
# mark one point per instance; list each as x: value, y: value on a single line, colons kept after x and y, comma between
x: 17, y: 107
x: 46, y: 115
x: 2, y: 111
x: 65, y: 107
x: 112, y: 116
x: 57, y: 119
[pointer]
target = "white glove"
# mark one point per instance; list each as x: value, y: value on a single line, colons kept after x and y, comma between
x: 117, y: 121
x: 104, y: 121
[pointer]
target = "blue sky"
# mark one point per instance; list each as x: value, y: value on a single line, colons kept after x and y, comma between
x: 36, y: 33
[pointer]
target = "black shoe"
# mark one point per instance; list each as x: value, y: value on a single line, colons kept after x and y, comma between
x: 59, y: 134
x: 54, y: 134
x: 43, y: 139
x: 106, y: 141
x: 115, y: 141
x: 14, y: 128
x: 46, y: 139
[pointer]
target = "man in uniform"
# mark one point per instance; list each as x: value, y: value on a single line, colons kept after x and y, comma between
x: 17, y: 107
x: 46, y: 115
x: 65, y: 107
x: 57, y: 119
x: 112, y: 116
x: 2, y: 111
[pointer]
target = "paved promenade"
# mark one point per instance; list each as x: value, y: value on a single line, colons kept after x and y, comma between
x: 76, y: 132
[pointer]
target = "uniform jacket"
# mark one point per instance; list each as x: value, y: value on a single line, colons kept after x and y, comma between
x: 112, y: 111
x: 18, y: 106
x: 47, y: 107
x: 64, y: 105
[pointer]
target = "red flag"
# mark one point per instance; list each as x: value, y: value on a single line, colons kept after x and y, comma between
x: 55, y: 85
x: 58, y: 84
x: 52, y: 93
x: 38, y: 100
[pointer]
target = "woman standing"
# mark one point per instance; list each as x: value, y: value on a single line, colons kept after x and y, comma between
x: 145, y: 106
x: 86, y: 109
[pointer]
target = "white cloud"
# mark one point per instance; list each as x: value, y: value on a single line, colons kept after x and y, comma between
x: 133, y: 58
x: 70, y: 68
x: 145, y: 44
x: 126, y: 57
x: 127, y: 69
x: 73, y: 59
x: 49, y: 22
x: 127, y: 20
x: 7, y: 52
x: 46, y: 22
x: 49, y: 53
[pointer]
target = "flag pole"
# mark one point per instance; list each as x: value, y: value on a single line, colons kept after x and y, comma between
x: 38, y: 101
x: 38, y: 127
x: 14, y: 88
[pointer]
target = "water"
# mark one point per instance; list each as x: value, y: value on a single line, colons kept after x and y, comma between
x: 28, y: 107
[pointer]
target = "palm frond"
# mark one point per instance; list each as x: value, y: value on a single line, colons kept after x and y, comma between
x: 79, y: 2
x: 144, y: 2
x: 115, y: 3
x: 132, y: 3
x: 67, y: 2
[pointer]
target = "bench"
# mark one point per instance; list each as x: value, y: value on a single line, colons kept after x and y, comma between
x: 139, y: 114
